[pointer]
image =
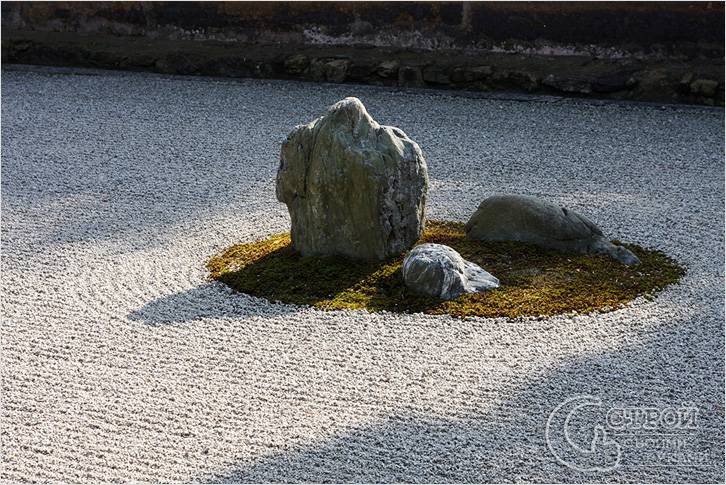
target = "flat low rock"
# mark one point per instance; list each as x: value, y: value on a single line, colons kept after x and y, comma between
x: 439, y: 271
x: 536, y: 221
x: 352, y: 187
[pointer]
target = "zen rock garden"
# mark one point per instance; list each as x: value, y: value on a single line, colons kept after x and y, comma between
x: 356, y: 193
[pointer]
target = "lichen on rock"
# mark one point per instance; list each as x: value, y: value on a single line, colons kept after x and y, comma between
x: 352, y: 187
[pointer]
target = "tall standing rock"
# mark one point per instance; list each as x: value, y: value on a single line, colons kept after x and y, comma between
x: 353, y: 187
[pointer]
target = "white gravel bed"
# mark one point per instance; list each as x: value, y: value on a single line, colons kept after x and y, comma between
x: 121, y: 362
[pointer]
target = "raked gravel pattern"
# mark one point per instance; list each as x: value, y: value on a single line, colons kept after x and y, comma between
x: 122, y: 362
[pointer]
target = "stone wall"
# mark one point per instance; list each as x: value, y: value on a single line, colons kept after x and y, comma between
x: 670, y: 51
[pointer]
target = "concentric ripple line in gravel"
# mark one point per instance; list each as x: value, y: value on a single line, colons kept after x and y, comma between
x: 122, y: 362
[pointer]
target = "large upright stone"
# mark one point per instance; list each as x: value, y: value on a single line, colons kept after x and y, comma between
x: 353, y: 187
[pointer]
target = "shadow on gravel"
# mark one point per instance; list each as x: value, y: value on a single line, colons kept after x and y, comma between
x: 507, y: 443
x: 210, y: 300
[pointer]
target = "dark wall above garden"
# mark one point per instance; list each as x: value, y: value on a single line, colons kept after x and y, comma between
x: 609, y: 28
x: 654, y: 51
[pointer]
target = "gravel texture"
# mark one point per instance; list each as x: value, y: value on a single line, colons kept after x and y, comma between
x: 121, y: 362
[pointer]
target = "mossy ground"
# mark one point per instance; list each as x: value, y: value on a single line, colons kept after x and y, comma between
x: 534, y: 281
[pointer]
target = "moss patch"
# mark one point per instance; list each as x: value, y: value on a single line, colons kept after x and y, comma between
x: 534, y: 281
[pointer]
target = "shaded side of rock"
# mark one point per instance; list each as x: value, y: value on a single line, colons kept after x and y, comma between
x: 296, y: 64
x: 336, y: 70
x: 436, y: 75
x: 526, y: 81
x: 352, y: 187
x: 536, y: 221
x: 439, y: 271
x: 568, y: 84
x: 706, y: 87
x: 388, y: 68
x: 468, y: 74
x: 410, y: 76
x: 613, y: 81
x: 331, y: 70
